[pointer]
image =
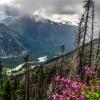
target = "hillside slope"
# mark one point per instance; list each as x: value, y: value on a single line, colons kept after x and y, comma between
x: 37, y: 36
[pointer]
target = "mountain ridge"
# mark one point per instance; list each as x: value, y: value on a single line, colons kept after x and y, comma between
x: 37, y: 38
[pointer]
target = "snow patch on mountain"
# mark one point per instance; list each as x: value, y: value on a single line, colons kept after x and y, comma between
x: 64, y: 19
x: 42, y: 59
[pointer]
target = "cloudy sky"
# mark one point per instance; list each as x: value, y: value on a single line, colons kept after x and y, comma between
x: 62, y: 9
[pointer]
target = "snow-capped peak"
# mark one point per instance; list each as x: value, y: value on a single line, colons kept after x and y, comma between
x: 64, y: 19
x: 39, y: 18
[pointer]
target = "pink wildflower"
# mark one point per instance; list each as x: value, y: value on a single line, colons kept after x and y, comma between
x: 54, y: 97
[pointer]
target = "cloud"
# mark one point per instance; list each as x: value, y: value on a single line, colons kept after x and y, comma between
x: 11, y: 11
x: 51, y: 6
x: 61, y: 8
x: 48, y: 7
x: 5, y: 1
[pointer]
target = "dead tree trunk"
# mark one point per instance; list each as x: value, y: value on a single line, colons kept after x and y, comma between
x: 78, y: 44
x: 26, y: 59
x: 86, y: 22
x: 92, y: 29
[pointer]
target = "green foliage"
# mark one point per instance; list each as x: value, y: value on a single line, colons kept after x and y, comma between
x: 34, y: 78
x: 1, y: 92
x: 7, y: 89
x: 92, y: 95
x: 97, y: 83
x: 21, y: 89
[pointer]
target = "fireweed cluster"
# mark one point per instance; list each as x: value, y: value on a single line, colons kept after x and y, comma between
x: 75, y: 89
x: 89, y: 72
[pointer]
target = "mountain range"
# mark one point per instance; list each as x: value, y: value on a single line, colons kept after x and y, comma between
x: 36, y: 36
